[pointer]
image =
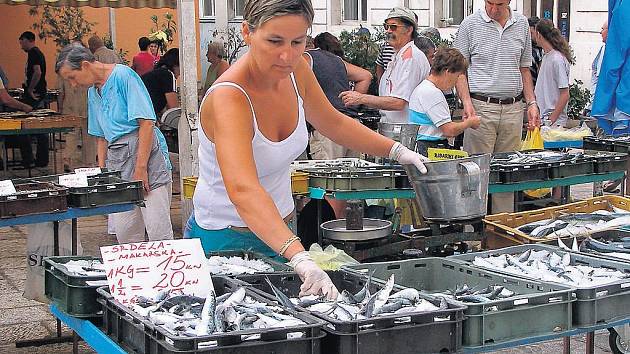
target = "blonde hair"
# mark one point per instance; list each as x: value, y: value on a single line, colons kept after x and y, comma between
x: 257, y: 12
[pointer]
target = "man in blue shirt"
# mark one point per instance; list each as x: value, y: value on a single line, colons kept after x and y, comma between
x: 121, y: 116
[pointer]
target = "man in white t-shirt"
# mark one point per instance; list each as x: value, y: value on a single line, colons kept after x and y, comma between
x: 407, y: 69
x: 428, y: 106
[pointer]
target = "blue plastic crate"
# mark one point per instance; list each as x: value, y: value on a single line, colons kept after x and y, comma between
x: 614, y: 128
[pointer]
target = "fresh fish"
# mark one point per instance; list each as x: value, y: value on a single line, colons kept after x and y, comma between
x: 383, y: 294
x: 410, y: 294
x: 348, y: 298
x: 282, y: 299
x: 206, y: 325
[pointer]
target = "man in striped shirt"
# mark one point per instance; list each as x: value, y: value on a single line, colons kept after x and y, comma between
x: 497, y: 44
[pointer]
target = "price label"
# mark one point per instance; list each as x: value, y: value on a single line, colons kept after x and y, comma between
x: 7, y: 187
x: 88, y: 171
x: 146, y: 268
x: 73, y: 180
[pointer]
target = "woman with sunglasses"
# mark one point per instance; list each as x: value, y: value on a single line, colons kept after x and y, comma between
x: 253, y: 125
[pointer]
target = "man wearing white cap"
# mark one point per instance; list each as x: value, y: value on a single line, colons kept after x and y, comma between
x: 406, y: 70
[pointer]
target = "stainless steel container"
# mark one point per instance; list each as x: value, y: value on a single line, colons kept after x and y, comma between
x: 452, y: 190
x: 372, y: 229
x: 404, y: 133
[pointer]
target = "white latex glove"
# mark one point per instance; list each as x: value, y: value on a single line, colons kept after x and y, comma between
x: 407, y: 157
x: 315, y: 280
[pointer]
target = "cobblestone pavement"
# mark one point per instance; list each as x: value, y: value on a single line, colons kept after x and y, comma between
x: 25, y: 319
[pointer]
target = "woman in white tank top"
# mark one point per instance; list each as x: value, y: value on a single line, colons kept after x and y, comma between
x: 253, y: 125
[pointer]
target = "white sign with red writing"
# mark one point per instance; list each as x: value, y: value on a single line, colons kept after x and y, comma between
x: 146, y: 268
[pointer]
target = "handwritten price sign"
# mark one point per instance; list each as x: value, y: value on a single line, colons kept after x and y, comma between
x: 145, y: 268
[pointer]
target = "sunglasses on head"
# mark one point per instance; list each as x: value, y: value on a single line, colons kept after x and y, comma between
x: 393, y: 27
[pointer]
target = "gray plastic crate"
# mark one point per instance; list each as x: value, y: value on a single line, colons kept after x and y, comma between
x: 537, y: 309
x: 593, y: 305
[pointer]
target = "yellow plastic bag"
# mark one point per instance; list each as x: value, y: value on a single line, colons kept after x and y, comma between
x: 330, y: 258
x: 533, y: 140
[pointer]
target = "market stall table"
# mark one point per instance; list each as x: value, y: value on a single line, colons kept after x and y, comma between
x: 36, y: 125
x: 54, y: 217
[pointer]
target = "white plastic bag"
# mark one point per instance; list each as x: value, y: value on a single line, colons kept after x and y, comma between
x: 40, y: 244
x: 562, y: 134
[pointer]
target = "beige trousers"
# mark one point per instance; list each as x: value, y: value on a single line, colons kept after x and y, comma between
x: 155, y: 217
x: 500, y: 131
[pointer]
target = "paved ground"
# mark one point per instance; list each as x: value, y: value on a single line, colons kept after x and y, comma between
x: 25, y: 319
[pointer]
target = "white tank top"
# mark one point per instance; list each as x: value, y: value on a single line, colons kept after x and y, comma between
x: 212, y: 206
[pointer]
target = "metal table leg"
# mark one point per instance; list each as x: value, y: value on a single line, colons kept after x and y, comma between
x: 566, y: 345
x: 565, y: 194
x: 590, y: 343
x: 5, y: 158
x: 74, y: 237
x: 319, y: 222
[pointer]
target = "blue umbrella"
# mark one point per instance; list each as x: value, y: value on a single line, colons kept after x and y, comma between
x: 613, y: 88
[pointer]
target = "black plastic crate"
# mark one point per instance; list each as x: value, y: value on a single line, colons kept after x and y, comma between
x: 138, y: 335
x: 593, y: 305
x: 594, y: 143
x: 605, y: 162
x: 419, y: 332
x: 523, y: 173
x: 33, y: 198
x: 70, y: 292
x: 579, y: 166
x: 105, y: 190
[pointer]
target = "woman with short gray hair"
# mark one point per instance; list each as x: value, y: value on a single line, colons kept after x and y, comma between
x: 121, y: 116
x: 218, y: 64
x: 252, y: 125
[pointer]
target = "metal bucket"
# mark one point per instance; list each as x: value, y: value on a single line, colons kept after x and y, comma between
x: 452, y: 190
x: 404, y: 133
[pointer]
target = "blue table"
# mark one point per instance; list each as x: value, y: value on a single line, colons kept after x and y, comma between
x: 563, y: 144
x: 542, y: 338
x: 93, y: 336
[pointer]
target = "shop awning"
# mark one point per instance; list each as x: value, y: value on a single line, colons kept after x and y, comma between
x: 136, y: 4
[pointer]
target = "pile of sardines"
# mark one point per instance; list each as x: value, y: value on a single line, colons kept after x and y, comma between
x: 364, y: 305
x: 191, y: 316
x: 549, y: 266
x: 576, y: 224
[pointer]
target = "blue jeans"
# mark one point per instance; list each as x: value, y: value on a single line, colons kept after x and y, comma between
x: 228, y: 239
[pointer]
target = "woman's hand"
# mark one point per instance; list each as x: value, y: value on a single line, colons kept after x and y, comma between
x: 407, y: 157
x: 315, y: 280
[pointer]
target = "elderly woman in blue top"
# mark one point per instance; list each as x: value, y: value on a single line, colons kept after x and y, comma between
x: 121, y: 115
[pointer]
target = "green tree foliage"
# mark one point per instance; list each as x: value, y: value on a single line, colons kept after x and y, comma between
x: 579, y: 98
x: 164, y: 32
x: 63, y: 25
x: 232, y: 42
x: 361, y: 48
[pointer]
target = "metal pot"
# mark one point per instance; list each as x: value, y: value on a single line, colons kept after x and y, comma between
x: 404, y: 133
x: 372, y: 229
x: 453, y: 189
